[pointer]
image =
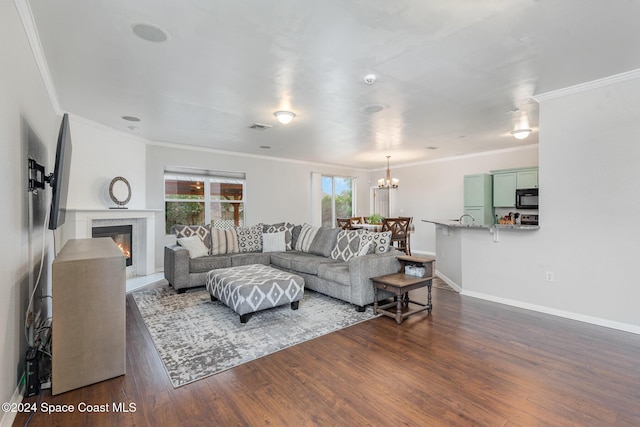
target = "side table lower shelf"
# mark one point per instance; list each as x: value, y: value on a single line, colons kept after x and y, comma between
x: 400, y: 284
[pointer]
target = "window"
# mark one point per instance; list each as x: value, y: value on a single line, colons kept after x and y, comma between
x: 207, y: 198
x: 337, y: 199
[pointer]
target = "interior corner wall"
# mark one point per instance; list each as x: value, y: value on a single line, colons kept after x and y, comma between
x: 277, y: 190
x: 589, y: 208
x: 28, y: 127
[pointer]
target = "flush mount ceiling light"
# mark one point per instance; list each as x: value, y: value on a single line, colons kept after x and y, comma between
x: 284, y: 117
x: 131, y: 118
x: 521, y: 129
x: 388, y: 182
x: 149, y: 32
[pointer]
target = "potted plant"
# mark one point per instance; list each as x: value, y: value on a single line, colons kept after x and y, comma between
x: 375, y: 219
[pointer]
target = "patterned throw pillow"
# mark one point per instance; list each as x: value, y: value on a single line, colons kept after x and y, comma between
x: 379, y: 241
x: 224, y: 241
x: 249, y: 238
x: 347, y: 245
x: 282, y: 226
x: 274, y: 242
x: 307, y: 233
x: 202, y: 231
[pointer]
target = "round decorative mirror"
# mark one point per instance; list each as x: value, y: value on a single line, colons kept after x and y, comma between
x: 120, y: 191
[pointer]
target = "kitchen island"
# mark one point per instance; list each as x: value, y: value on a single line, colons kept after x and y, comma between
x: 455, y: 238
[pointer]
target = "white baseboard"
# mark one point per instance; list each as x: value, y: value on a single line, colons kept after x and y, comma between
x: 449, y: 282
x: 18, y: 394
x: 555, y: 312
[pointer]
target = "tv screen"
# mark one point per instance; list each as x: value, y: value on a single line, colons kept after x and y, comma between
x: 60, y: 177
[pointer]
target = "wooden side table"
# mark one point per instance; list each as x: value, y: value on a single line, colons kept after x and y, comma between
x: 400, y: 284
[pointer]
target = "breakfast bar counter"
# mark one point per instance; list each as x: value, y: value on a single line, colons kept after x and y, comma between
x: 461, y: 247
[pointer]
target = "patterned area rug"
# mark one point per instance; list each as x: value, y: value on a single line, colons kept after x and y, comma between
x: 196, y: 337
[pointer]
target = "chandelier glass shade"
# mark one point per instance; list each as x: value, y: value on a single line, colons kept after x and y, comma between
x: 388, y: 182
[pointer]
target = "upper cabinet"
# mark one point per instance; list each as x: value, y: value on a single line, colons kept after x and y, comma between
x: 478, y: 197
x: 506, y: 182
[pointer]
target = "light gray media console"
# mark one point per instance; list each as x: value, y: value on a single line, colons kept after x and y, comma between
x: 89, y: 314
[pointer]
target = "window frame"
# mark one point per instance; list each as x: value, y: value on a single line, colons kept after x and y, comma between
x: 333, y: 195
x: 207, y: 178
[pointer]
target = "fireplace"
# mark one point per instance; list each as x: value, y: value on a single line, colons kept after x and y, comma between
x: 121, y: 234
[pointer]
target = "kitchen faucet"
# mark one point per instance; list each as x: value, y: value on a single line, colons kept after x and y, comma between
x: 463, y: 215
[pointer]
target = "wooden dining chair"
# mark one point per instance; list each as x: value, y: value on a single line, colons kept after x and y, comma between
x: 399, y: 228
x: 357, y: 220
x: 344, y: 223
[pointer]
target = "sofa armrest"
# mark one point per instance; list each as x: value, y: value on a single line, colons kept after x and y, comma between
x: 363, y: 268
x: 176, y: 266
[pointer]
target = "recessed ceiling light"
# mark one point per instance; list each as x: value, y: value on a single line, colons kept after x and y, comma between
x: 131, y: 118
x: 431, y: 148
x: 149, y: 32
x: 265, y: 147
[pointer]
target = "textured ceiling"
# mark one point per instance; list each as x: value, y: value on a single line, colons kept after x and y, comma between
x: 449, y: 73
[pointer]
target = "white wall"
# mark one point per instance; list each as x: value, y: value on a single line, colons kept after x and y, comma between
x: 434, y: 190
x: 99, y: 155
x: 589, y: 210
x: 277, y: 190
x: 28, y: 126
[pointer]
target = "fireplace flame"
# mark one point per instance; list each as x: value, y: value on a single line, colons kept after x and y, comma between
x: 124, y: 251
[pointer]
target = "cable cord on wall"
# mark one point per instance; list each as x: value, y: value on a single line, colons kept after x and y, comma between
x: 28, y: 313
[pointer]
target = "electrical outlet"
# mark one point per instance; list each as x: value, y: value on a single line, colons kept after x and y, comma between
x: 549, y: 276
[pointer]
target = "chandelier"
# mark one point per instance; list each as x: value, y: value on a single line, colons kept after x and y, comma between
x: 388, y: 182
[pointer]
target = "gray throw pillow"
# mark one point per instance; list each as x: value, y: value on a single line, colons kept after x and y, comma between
x: 250, y: 238
x: 347, y: 245
x: 324, y: 241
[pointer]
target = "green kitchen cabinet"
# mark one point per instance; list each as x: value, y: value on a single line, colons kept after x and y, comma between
x: 507, y: 181
x: 478, y: 197
x: 527, y: 179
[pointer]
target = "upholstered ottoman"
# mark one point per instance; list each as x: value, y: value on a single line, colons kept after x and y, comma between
x: 250, y: 288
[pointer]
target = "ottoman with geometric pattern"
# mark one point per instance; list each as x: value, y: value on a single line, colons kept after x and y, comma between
x: 250, y: 288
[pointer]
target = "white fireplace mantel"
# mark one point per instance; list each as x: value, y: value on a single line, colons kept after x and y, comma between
x: 79, y: 223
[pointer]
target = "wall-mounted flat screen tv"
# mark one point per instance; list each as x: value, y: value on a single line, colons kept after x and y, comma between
x: 59, y: 179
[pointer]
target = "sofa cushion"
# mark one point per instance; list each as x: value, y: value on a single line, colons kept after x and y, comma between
x: 336, y: 272
x: 250, y: 238
x: 347, y: 245
x: 194, y: 245
x: 224, y: 241
x: 250, y: 258
x: 324, y: 241
x: 380, y: 241
x: 202, y: 231
x: 298, y: 261
x: 306, y: 236
x: 274, y: 242
x: 208, y: 263
x: 310, y: 264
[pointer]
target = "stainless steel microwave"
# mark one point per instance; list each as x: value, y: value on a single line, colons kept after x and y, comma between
x: 527, y: 198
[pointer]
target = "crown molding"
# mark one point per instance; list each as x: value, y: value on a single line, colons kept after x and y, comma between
x: 583, y: 87
x: 26, y: 16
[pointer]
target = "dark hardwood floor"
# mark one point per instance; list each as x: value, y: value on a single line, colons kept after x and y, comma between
x: 470, y: 362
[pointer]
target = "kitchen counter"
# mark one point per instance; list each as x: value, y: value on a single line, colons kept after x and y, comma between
x: 457, y: 224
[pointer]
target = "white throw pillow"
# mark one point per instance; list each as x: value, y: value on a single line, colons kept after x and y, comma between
x: 194, y: 245
x: 274, y: 242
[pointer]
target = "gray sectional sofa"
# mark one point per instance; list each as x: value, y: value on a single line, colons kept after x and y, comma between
x: 331, y: 261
